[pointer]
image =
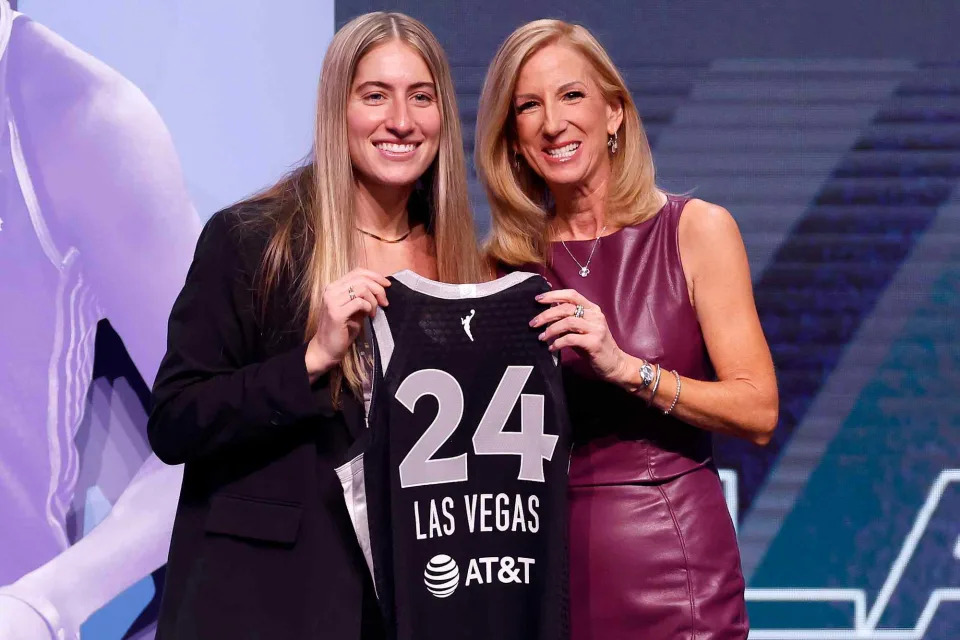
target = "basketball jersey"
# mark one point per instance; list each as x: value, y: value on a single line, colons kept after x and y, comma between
x: 48, y: 316
x: 458, y: 486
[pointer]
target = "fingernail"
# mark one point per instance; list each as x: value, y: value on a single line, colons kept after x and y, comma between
x: 533, y: 323
x: 539, y: 296
x: 542, y: 335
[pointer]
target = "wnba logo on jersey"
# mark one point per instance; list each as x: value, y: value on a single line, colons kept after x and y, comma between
x: 441, y: 576
x: 466, y: 323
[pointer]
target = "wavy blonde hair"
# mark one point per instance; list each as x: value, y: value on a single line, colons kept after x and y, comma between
x: 519, y: 198
x: 313, y: 209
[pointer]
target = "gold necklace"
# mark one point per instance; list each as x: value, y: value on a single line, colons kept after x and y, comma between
x: 387, y: 240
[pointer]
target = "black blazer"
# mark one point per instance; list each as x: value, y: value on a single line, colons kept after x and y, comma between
x: 262, y: 544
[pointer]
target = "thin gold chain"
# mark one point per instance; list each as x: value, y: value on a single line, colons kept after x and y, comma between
x: 387, y: 240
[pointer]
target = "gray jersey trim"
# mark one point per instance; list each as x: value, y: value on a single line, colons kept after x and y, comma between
x: 448, y: 291
x: 384, y: 337
x: 385, y: 345
x: 351, y: 478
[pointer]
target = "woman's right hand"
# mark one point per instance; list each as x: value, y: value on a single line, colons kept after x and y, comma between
x: 343, y: 306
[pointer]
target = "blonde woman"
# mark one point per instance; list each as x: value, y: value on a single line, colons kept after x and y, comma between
x: 653, y: 316
x: 262, y: 383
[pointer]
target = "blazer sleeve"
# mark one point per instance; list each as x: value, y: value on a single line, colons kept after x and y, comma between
x: 210, y: 393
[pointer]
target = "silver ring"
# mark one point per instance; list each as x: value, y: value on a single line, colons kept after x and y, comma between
x: 578, y: 312
x: 351, y: 293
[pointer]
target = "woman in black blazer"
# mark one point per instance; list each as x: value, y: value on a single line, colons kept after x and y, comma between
x: 261, y: 389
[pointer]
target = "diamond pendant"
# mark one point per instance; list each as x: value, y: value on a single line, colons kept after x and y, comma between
x: 584, y: 272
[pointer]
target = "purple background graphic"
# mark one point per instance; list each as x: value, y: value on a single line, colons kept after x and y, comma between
x: 831, y: 131
x: 119, y: 124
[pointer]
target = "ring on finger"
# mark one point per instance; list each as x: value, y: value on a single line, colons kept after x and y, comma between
x: 351, y: 293
x: 578, y: 312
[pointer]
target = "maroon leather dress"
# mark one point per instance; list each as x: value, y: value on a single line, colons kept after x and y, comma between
x: 653, y: 553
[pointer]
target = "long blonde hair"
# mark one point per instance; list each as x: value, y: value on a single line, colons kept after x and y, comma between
x: 519, y: 198
x: 313, y: 238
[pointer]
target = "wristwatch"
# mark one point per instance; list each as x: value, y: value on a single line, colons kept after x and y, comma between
x: 646, y: 374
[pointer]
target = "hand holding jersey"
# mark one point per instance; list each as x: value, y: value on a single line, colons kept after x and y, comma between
x: 586, y: 331
x: 345, y: 302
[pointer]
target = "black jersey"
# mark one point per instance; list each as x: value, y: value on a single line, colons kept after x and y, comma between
x: 458, y: 487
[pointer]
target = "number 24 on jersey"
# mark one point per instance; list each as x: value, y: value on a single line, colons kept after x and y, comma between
x: 420, y: 468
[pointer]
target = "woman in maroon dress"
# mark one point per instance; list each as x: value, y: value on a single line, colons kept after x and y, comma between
x: 652, y: 296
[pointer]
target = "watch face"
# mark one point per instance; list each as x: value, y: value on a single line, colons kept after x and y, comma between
x: 646, y: 374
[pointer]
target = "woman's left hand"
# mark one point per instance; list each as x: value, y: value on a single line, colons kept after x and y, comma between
x: 589, y: 335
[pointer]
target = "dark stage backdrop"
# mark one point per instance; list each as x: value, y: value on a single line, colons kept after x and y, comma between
x: 831, y: 131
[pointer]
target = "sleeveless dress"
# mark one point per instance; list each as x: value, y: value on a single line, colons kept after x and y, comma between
x: 653, y: 551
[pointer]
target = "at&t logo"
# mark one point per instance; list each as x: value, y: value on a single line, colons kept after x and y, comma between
x: 441, y: 576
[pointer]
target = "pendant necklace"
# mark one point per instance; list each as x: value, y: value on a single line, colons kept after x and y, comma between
x: 585, y: 268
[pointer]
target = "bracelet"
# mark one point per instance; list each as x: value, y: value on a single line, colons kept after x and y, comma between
x: 653, y: 389
x: 676, y: 395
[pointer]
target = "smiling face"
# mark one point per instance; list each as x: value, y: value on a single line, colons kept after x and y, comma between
x: 393, y: 117
x: 562, y: 118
